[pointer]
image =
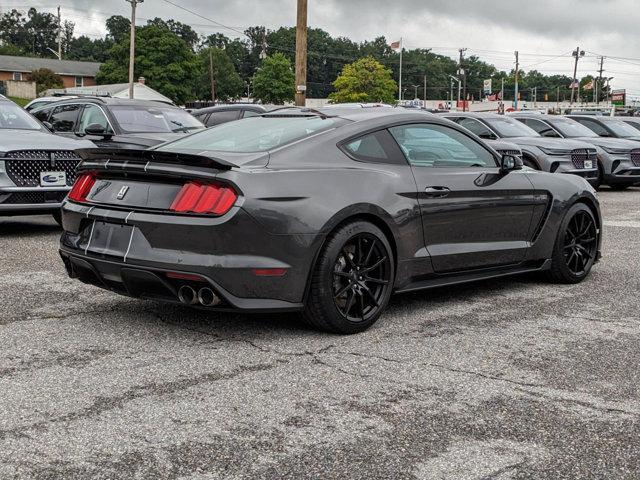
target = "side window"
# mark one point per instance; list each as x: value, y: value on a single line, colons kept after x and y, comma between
x: 223, y: 116
x: 595, y: 126
x: 440, y: 146
x: 43, y: 114
x: 250, y: 113
x: 64, y: 117
x: 93, y: 114
x: 376, y: 147
x: 474, y: 126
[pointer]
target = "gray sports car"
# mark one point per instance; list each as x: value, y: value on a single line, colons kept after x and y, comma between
x: 618, y: 158
x: 553, y: 155
x: 321, y: 212
x: 37, y: 168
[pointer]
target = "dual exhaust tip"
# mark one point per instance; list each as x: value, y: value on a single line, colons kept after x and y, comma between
x: 205, y: 296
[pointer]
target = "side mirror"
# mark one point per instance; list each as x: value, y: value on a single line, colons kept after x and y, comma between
x: 488, y: 136
x: 95, y: 129
x: 509, y: 163
x: 551, y: 133
x: 49, y: 127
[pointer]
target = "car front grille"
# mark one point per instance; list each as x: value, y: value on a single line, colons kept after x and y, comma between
x: 635, y: 157
x: 22, y: 198
x: 24, y: 166
x: 579, y: 156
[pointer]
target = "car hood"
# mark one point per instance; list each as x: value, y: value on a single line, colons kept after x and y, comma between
x: 545, y: 142
x: 38, y: 140
x: 609, y: 142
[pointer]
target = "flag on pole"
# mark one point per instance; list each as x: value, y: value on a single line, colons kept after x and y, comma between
x: 574, y: 84
x: 395, y: 45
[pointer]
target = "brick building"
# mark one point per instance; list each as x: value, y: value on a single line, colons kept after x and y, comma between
x: 74, y: 74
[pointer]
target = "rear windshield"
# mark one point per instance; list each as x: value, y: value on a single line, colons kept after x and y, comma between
x: 154, y: 119
x: 255, y: 134
x: 14, y: 117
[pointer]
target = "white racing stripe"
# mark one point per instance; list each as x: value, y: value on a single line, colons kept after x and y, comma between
x: 90, y: 237
x: 133, y: 229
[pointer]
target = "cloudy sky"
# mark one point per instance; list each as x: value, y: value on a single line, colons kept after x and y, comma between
x: 544, y: 31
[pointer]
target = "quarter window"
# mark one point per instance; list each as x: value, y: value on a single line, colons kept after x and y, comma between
x: 42, y: 115
x: 64, y: 117
x: 474, y: 126
x: 440, y: 146
x: 376, y: 147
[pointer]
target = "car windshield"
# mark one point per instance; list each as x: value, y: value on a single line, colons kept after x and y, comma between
x: 13, y: 117
x: 571, y: 128
x: 154, y: 119
x: 635, y: 125
x: 255, y: 134
x: 621, y: 128
x: 509, y: 128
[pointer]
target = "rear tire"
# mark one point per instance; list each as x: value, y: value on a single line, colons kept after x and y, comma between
x: 352, y: 280
x: 576, y: 246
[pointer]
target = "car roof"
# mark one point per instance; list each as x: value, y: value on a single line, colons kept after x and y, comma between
x: 474, y: 115
x: 234, y: 106
x: 596, y: 118
x: 108, y: 101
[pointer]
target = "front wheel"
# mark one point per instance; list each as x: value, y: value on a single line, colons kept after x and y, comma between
x: 352, y: 280
x: 576, y: 246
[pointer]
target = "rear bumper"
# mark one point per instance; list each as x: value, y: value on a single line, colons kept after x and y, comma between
x: 131, y: 252
x: 153, y: 284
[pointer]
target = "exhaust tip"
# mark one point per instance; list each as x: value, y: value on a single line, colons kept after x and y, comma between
x: 187, y: 295
x: 208, y: 298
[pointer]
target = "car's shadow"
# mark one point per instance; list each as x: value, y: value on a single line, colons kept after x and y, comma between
x: 20, y: 226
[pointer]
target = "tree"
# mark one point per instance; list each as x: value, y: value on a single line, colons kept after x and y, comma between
x: 365, y: 80
x: 118, y: 27
x: 162, y: 57
x: 185, y: 32
x: 275, y: 81
x: 228, y: 83
x: 45, y: 79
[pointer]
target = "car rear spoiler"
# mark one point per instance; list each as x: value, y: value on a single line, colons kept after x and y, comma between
x: 129, y: 157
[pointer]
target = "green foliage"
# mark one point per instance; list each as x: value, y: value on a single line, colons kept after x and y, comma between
x: 22, y: 102
x: 275, y: 81
x: 34, y: 33
x: 118, y: 27
x: 9, y: 49
x: 45, y: 79
x: 228, y: 84
x: 365, y: 80
x: 162, y: 57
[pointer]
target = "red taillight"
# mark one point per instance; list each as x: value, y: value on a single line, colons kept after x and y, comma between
x: 82, y: 187
x: 207, y: 198
x: 269, y: 272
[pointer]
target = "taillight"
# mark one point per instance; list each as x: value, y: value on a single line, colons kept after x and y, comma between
x: 204, y: 198
x: 82, y: 187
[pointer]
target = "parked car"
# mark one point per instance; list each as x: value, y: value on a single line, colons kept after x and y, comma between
x: 618, y: 159
x: 633, y: 121
x: 116, y: 122
x: 553, y: 155
x: 37, y: 168
x: 42, y: 101
x: 211, y: 116
x: 320, y: 213
x: 613, y: 127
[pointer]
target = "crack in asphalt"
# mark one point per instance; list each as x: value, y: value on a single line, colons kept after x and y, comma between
x: 103, y: 404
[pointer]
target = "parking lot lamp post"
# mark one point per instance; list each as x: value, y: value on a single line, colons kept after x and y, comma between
x: 132, y: 43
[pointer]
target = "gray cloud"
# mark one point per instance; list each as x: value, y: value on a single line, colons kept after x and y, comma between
x: 491, y: 29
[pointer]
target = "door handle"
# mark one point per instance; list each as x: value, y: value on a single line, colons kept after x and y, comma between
x: 437, y: 191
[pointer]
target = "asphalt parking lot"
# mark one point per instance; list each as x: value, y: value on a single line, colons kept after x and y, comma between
x: 501, y: 379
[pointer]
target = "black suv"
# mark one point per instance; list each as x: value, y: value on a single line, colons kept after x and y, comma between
x: 116, y: 122
x: 211, y: 116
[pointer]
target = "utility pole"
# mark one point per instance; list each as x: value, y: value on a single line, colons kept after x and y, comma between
x: 59, y: 35
x: 558, y: 98
x: 515, y: 101
x: 301, y: 54
x: 463, y: 78
x: 577, y: 54
x: 132, y: 43
x: 400, y: 72
x: 502, y: 92
x: 599, y: 82
x: 212, y: 78
x: 424, y: 102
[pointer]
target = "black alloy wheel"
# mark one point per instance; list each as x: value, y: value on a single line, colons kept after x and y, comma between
x: 361, y: 277
x: 580, y: 243
x: 576, y: 246
x: 352, y: 280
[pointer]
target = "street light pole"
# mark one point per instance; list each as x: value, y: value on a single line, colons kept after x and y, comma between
x: 132, y: 43
x: 577, y: 54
